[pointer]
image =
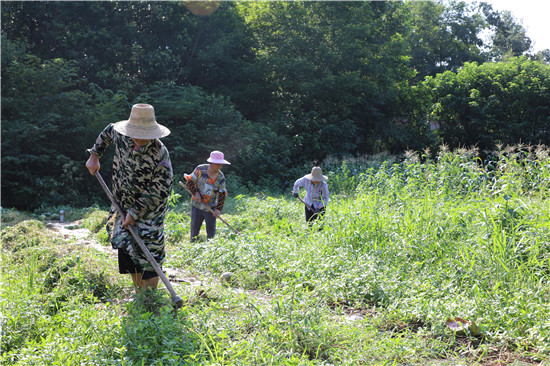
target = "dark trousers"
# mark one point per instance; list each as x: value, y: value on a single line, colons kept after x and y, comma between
x: 311, y: 215
x: 197, y: 217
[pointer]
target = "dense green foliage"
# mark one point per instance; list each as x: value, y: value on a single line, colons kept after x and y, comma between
x: 495, y: 102
x: 275, y: 85
x: 403, y: 246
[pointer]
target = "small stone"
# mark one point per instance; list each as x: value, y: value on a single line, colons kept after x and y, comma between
x: 226, y: 276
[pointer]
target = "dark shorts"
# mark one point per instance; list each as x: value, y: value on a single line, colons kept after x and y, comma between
x: 127, y: 265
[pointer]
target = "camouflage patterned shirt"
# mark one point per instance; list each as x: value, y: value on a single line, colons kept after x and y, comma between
x: 142, y: 182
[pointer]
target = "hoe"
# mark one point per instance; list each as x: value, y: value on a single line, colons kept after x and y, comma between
x: 209, y: 209
x: 177, y: 301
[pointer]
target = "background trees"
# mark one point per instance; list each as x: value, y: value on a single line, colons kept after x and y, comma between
x: 506, y: 102
x: 444, y: 36
x: 507, y: 34
x: 275, y: 85
x: 41, y: 101
x: 334, y: 70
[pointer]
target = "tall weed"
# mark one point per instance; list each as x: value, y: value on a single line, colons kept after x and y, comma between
x: 405, y: 244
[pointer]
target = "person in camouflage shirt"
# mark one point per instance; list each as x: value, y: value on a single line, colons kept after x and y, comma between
x: 142, y: 182
x: 207, y: 185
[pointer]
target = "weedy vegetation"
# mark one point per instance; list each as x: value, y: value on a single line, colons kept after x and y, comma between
x: 405, y: 246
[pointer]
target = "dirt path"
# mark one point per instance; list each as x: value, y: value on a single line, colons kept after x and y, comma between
x: 73, y: 231
x: 82, y: 236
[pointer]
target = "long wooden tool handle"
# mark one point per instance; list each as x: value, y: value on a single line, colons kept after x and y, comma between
x: 175, y: 298
x: 304, y: 202
x: 208, y: 208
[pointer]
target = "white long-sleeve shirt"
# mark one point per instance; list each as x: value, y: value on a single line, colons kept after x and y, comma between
x: 317, y: 195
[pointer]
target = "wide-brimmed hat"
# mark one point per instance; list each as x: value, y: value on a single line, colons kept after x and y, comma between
x: 316, y: 175
x: 142, y: 124
x: 216, y: 157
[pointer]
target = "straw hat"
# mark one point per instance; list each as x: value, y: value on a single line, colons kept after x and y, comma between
x: 142, y: 124
x: 316, y: 175
x: 217, y: 157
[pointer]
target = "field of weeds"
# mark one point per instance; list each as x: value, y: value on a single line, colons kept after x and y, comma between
x: 419, y: 261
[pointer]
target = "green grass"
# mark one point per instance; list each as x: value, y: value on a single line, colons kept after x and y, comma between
x: 10, y: 217
x: 404, y: 246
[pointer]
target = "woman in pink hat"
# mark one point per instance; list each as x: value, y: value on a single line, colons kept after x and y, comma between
x: 207, y: 184
x: 317, y: 194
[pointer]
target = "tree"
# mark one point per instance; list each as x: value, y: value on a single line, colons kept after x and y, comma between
x: 508, y: 37
x: 44, y: 116
x: 334, y: 69
x: 131, y: 45
x: 506, y: 102
x: 543, y: 56
x: 444, y: 36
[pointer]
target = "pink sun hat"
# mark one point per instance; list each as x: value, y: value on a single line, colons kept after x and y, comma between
x: 217, y: 157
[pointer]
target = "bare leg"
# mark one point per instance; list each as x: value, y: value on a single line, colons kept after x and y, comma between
x: 150, y: 283
x: 141, y: 284
x: 136, y: 278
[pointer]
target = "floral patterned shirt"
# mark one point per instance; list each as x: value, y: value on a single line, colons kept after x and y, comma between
x: 211, y: 190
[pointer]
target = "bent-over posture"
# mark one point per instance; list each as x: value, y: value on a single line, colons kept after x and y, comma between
x: 317, y: 194
x: 142, y: 182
